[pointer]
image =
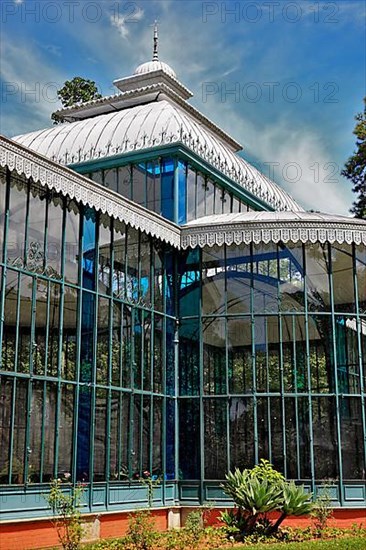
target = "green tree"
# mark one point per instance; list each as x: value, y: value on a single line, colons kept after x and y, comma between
x: 76, y: 92
x: 355, y: 167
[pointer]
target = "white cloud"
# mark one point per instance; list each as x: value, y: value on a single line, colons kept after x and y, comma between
x: 29, y: 90
x: 123, y: 22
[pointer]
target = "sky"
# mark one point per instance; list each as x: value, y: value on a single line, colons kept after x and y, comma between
x: 283, y: 78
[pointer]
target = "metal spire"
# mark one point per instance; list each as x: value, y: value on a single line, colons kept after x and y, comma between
x: 156, y: 43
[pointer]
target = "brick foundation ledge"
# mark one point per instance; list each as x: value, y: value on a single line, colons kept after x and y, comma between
x: 35, y: 534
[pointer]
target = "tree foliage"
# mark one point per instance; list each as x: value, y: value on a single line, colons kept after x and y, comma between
x: 355, y: 167
x: 76, y: 92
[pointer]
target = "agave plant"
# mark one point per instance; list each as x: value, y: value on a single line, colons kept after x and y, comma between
x: 259, y: 491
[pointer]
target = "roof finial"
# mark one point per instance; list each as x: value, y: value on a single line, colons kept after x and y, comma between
x: 156, y: 42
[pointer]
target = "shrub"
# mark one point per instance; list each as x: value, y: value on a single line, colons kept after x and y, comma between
x: 322, y: 511
x: 66, y: 509
x: 256, y: 493
x: 141, y: 533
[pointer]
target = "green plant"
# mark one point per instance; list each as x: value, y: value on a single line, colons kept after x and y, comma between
x: 323, y: 510
x: 256, y: 493
x: 67, y: 520
x: 141, y: 533
x: 150, y: 484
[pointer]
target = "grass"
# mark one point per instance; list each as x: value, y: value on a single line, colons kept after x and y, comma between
x: 351, y: 543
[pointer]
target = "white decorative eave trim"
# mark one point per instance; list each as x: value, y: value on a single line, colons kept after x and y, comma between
x: 67, y: 182
x: 274, y: 232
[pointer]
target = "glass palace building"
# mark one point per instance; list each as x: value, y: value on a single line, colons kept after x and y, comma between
x: 166, y: 308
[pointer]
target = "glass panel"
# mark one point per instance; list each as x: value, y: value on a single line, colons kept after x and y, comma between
x: 241, y: 420
x: 39, y: 350
x: 144, y: 279
x: 66, y: 420
x: 265, y: 278
x: 321, y: 354
x: 104, y: 256
x: 156, y: 439
x: 147, y: 351
x: 317, y: 271
x: 158, y: 353
x: 100, y: 435
x: 153, y: 186
x: 119, y: 435
x: 189, y: 363
x: 69, y: 332
x: 35, y: 257
x: 54, y: 327
x: 17, y: 215
x: 167, y: 188
x: 201, y: 189
x: 89, y: 249
x: 182, y: 192
x: 124, y: 181
x: 294, y: 353
x: 191, y: 195
x: 209, y: 198
x: 97, y: 176
x: 2, y: 211
x: 239, y: 335
x: 267, y: 354
x: 325, y: 438
x: 139, y: 184
x: 6, y: 391
x: 342, y: 272
x: 361, y: 277
x: 72, y: 242
x: 226, y: 203
x: 19, y: 429
x: 133, y: 251
x: 54, y: 236
x: 189, y: 439
x: 238, y: 278
x: 102, y: 358
x: 170, y: 440
x: 110, y: 179
x: 213, y: 280
x: 119, y: 265
x: 189, y: 291
x: 215, y: 417
x: 291, y: 277
x: 352, y: 438
x: 347, y: 354
x: 24, y: 323
x: 214, y: 356
x: 8, y: 357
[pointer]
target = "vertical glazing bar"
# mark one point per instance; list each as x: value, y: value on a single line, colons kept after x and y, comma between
x: 338, y: 421
x: 28, y: 449
x: 268, y: 387
x: 94, y: 365
x: 176, y: 367
x: 78, y: 342
x: 308, y: 367
x: 228, y: 452
x: 30, y: 357
x: 254, y: 371
x: 201, y: 381
x: 298, y: 458
x: 4, y: 260
x: 176, y: 190
x: 110, y: 367
x: 60, y: 342
x: 359, y: 345
x: 282, y: 383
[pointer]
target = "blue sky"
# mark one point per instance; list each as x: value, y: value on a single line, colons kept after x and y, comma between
x: 295, y: 70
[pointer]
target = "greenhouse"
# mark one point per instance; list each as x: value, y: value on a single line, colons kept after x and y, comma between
x: 168, y: 311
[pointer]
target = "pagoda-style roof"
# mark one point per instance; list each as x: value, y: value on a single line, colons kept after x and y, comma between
x: 151, y: 110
